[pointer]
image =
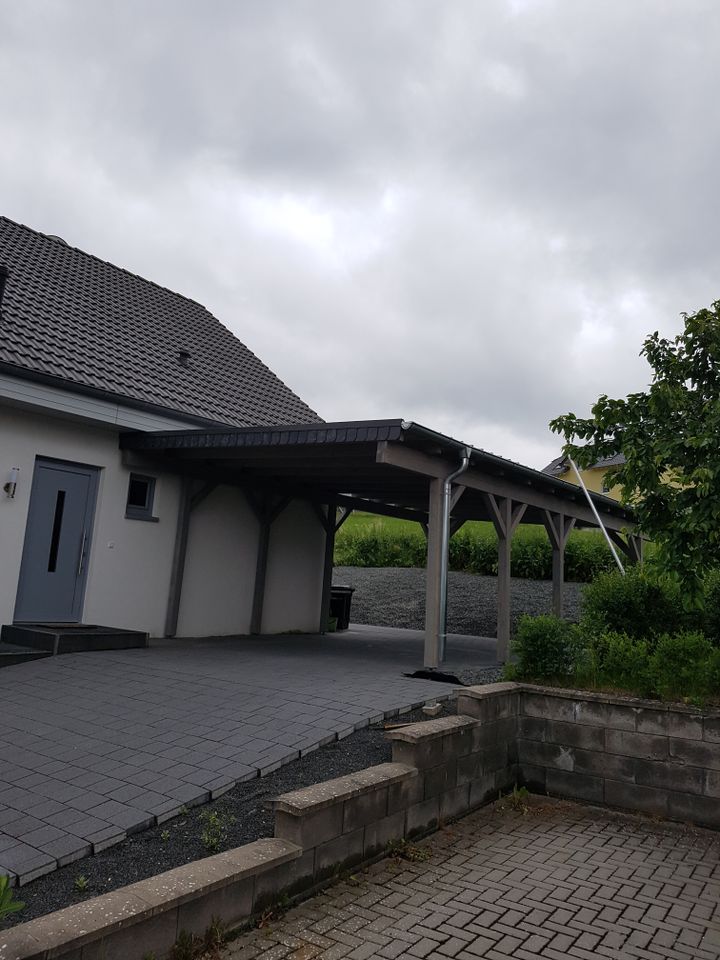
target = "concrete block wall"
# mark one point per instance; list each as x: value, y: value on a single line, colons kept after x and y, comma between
x: 146, y: 917
x: 639, y: 755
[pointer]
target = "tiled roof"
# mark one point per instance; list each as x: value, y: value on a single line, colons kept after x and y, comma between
x: 68, y: 315
x: 560, y: 464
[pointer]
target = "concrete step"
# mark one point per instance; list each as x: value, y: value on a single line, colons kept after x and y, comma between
x: 12, y: 653
x: 55, y: 638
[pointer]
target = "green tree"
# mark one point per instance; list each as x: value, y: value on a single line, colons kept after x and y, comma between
x: 670, y: 437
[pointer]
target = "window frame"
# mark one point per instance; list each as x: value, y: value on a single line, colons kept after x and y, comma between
x: 134, y: 512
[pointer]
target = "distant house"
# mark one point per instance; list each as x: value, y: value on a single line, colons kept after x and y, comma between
x: 598, y: 478
x: 91, y: 534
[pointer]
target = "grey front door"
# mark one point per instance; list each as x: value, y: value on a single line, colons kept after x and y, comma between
x: 57, y: 541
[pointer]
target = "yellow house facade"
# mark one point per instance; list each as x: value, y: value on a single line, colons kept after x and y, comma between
x: 598, y: 478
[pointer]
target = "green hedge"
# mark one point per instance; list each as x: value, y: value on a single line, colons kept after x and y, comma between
x: 635, y: 635
x: 681, y: 666
x: 369, y: 542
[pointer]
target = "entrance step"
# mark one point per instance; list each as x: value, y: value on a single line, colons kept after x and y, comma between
x: 56, y: 638
x: 12, y: 653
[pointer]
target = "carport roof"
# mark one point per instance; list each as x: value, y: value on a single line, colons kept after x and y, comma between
x: 383, y: 466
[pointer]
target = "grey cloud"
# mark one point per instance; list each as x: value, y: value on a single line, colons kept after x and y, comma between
x: 464, y: 213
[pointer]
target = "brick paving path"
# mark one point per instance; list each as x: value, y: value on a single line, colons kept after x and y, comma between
x: 94, y: 746
x: 562, y: 881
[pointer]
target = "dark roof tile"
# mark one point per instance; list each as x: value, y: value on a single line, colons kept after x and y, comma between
x: 66, y: 314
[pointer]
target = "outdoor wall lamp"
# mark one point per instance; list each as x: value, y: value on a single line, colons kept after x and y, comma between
x: 9, y: 487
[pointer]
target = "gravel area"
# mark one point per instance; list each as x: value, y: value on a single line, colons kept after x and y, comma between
x: 395, y: 597
x: 243, y: 815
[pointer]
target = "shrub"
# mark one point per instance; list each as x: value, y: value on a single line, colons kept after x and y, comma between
x: 620, y: 662
x: 636, y: 604
x: 546, y: 648
x: 586, y: 556
x: 682, y: 665
x: 711, y: 616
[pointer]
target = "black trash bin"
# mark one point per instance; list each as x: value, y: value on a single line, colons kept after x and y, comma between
x: 340, y: 600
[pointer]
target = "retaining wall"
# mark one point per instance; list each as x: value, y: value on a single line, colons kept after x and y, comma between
x: 634, y: 754
x: 627, y: 753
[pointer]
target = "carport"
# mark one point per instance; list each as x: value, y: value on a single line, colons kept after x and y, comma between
x: 387, y: 467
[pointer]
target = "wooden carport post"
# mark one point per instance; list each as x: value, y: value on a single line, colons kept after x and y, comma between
x: 558, y: 527
x: 436, y: 570
x: 188, y: 502
x: 433, y: 626
x: 505, y: 515
x: 266, y: 512
x: 330, y: 524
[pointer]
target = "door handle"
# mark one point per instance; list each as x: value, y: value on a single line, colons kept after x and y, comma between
x: 81, y: 561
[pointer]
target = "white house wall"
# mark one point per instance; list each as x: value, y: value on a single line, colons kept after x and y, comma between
x: 219, y: 579
x: 293, y: 586
x: 130, y: 560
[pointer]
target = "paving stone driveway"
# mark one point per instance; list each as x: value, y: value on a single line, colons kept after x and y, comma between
x: 562, y: 881
x: 97, y: 745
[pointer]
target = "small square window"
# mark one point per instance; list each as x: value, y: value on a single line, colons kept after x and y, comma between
x: 140, y: 497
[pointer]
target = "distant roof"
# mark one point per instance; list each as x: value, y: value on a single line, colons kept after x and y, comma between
x: 74, y: 320
x: 560, y: 464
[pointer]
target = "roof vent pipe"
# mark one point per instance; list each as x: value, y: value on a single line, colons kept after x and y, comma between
x: 4, y: 274
x: 445, y: 547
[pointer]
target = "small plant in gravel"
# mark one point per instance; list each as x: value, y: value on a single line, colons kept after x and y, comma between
x: 517, y: 801
x: 165, y: 836
x: 404, y: 850
x: 8, y: 903
x: 215, y: 832
x: 80, y: 883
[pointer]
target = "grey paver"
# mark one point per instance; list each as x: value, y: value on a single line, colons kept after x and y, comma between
x: 174, y: 722
x: 439, y: 908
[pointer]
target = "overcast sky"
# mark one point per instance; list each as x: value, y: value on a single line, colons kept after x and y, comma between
x: 467, y: 214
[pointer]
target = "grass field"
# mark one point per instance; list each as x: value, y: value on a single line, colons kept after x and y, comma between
x: 366, y: 540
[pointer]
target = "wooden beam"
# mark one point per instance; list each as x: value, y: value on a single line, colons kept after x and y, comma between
x: 382, y: 509
x: 267, y: 512
x: 433, y: 625
x: 260, y: 576
x: 558, y: 527
x: 344, y: 514
x: 414, y: 461
x: 631, y: 546
x: 179, y: 553
x: 457, y: 491
x: 202, y: 494
x: 505, y: 515
x: 504, y: 581
x: 455, y: 525
x: 330, y: 528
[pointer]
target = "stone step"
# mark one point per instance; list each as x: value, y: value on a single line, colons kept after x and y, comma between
x: 71, y: 638
x: 12, y: 653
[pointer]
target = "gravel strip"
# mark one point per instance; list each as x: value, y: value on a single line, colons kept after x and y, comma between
x: 242, y: 812
x: 395, y: 597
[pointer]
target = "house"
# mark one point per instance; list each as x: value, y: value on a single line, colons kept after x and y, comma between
x: 89, y: 351
x: 156, y: 477
x: 598, y: 478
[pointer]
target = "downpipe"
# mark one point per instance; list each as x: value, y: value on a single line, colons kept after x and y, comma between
x: 445, y: 549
